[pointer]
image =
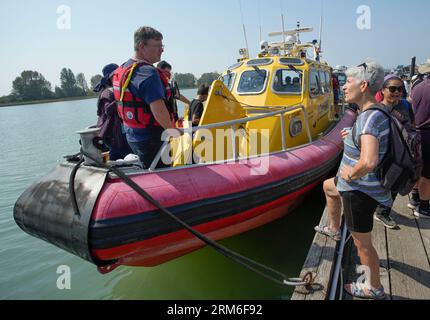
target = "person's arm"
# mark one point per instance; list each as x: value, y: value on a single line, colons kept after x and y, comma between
x: 151, y: 90
x: 369, y: 159
x: 197, y: 114
x: 184, y: 100
x: 159, y: 110
x: 195, y: 120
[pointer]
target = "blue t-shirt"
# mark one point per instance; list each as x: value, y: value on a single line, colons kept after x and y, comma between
x: 145, y: 84
x: 373, y: 123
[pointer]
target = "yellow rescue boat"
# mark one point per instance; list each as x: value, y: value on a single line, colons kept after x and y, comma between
x: 282, y: 97
x: 268, y: 135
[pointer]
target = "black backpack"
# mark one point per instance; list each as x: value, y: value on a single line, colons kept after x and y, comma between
x: 400, y: 168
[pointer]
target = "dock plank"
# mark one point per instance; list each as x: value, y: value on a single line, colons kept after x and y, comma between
x: 379, y: 241
x: 313, y: 259
x: 424, y: 227
x: 410, y: 270
x: 325, y: 270
x: 320, y: 261
x: 403, y: 253
x: 352, y: 261
x: 349, y: 264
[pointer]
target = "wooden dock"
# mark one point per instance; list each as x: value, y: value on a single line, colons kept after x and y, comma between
x: 404, y: 254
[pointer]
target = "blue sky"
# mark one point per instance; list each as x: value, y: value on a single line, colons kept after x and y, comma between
x: 200, y: 36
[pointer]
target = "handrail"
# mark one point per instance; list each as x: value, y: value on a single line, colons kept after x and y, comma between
x: 247, y: 119
x: 233, y: 123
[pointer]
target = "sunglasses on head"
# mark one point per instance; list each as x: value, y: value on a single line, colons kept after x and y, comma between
x: 364, y: 65
x: 393, y: 89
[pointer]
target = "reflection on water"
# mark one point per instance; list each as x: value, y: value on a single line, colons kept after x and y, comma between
x: 33, y: 140
x: 206, y: 274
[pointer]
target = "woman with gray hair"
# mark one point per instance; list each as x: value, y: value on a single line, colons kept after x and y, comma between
x: 357, y: 185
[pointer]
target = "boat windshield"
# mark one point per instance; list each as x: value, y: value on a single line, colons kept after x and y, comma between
x: 252, y: 81
x: 228, y: 80
x: 288, y: 81
x: 315, y: 87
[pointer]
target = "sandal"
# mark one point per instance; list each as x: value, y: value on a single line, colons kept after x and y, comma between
x: 325, y: 230
x: 362, y: 290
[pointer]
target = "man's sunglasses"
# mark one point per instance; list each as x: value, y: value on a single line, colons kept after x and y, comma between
x: 393, y: 89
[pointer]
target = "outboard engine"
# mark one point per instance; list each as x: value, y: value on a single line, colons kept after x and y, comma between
x: 91, y: 145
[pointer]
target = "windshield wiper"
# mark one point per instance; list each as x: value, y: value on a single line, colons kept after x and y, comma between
x: 259, y: 71
x: 294, y: 69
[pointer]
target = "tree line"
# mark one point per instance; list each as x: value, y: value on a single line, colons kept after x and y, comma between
x: 32, y: 85
x: 188, y: 80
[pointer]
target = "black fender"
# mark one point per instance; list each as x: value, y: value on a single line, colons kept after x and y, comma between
x: 45, y: 209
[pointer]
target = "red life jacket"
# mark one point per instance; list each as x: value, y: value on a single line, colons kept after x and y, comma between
x: 170, y: 93
x: 164, y: 76
x: 133, y: 111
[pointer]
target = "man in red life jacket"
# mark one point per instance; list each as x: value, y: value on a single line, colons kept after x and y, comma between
x: 142, y: 93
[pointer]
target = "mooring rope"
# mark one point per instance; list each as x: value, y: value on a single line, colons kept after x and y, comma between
x: 256, y: 267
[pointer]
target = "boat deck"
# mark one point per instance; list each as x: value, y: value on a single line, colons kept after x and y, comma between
x: 404, y: 254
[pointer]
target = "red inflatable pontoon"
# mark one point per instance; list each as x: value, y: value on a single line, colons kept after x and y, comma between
x: 113, y: 225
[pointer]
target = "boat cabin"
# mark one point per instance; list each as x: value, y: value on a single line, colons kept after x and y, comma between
x: 284, y: 97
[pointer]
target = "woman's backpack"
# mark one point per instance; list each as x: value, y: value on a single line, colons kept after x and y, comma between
x: 400, y: 168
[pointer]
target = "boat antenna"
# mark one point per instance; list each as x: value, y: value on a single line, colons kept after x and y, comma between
x: 283, y: 28
x: 243, y: 25
x: 259, y: 19
x: 298, y: 32
x: 321, y: 27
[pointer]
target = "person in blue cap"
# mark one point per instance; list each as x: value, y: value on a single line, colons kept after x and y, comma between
x: 109, y: 122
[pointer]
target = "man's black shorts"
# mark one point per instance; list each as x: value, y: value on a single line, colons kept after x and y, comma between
x: 358, y: 209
